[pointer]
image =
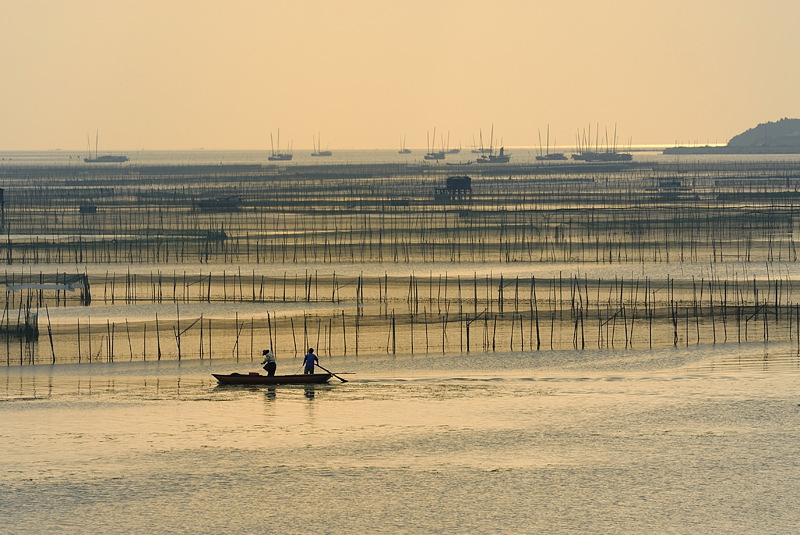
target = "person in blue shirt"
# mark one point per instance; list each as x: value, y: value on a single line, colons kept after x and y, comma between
x: 309, y: 360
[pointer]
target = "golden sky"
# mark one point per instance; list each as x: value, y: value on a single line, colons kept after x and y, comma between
x: 179, y: 74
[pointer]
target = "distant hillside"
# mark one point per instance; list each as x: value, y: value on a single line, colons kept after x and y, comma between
x: 780, y: 137
x: 783, y: 133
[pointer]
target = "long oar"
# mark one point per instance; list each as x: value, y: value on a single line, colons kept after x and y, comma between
x: 330, y: 372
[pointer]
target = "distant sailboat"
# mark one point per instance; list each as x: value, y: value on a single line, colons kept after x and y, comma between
x: 432, y: 154
x: 318, y: 148
x: 278, y: 156
x: 106, y: 158
x: 548, y: 156
x: 491, y: 157
x: 448, y: 150
x: 609, y: 155
x: 403, y: 149
x: 500, y: 157
x: 480, y: 149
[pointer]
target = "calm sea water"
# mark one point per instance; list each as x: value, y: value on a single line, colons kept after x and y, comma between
x: 701, y: 439
x: 303, y: 157
x: 696, y: 440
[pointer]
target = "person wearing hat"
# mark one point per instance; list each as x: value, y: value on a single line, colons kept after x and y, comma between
x: 269, y: 363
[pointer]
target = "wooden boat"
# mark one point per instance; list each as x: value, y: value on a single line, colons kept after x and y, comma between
x: 258, y: 379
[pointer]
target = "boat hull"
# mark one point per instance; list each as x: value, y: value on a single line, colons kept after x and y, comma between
x: 106, y: 159
x: 246, y: 379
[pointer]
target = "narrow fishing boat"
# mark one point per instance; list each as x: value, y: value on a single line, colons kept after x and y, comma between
x: 254, y: 378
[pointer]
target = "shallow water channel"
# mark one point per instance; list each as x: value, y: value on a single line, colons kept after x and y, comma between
x: 693, y: 440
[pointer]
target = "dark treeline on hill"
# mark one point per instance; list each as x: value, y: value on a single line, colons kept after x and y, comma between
x: 783, y: 133
x: 780, y: 137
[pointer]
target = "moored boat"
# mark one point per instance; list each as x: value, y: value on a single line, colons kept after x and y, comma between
x: 258, y: 379
x: 433, y: 154
x: 551, y: 157
x: 501, y: 157
x: 277, y: 155
x: 106, y: 158
x: 403, y: 149
x: 318, y: 148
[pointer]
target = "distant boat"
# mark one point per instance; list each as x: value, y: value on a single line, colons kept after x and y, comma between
x: 548, y: 156
x: 552, y: 156
x: 480, y: 149
x: 434, y: 154
x: 491, y: 157
x: 106, y: 158
x: 278, y: 156
x: 318, y: 149
x: 403, y: 149
x: 609, y: 155
x: 500, y: 157
x: 448, y: 150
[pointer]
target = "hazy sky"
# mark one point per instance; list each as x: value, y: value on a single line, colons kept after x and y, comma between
x: 179, y: 74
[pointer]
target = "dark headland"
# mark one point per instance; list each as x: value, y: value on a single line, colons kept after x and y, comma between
x: 780, y: 137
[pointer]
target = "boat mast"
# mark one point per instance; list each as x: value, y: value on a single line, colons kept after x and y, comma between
x: 540, y: 141
x: 548, y: 138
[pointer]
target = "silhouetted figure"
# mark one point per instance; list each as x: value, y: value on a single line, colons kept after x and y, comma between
x: 269, y: 363
x: 309, y: 360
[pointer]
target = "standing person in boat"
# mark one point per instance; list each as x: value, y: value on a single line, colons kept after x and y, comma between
x: 269, y: 363
x: 309, y: 360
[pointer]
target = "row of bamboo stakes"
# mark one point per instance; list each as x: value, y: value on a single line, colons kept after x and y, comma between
x: 418, y: 314
x: 441, y: 288
x: 720, y: 214
x: 744, y: 213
